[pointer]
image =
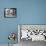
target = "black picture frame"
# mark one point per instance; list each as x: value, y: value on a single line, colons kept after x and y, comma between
x: 12, y: 13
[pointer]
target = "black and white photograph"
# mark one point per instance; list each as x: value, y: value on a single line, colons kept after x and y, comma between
x: 10, y: 12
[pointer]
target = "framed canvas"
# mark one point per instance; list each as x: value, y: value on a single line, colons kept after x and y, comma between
x: 10, y: 12
x: 33, y: 32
